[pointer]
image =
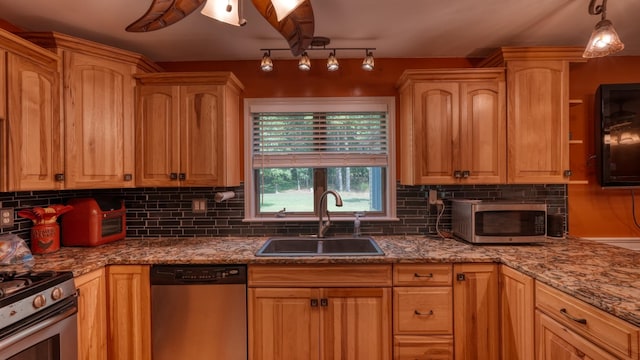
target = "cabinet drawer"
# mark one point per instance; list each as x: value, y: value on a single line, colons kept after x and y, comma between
x: 332, y: 275
x: 422, y: 310
x: 422, y: 275
x: 423, y: 348
x: 611, y: 333
x: 555, y: 341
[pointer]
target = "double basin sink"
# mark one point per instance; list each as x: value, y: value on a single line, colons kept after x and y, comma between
x: 313, y: 246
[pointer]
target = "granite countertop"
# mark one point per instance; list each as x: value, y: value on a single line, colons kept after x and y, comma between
x: 605, y: 276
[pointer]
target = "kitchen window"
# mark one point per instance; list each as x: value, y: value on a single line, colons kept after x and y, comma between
x: 297, y: 148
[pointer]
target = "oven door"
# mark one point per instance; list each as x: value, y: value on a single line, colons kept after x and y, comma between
x: 48, y: 336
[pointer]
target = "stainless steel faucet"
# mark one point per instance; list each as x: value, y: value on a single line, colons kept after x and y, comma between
x: 322, y: 225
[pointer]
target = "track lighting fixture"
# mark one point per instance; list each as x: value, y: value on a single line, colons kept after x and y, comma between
x: 266, y: 64
x: 332, y: 62
x: 368, y: 63
x: 319, y: 44
x: 304, y: 64
x: 604, y: 39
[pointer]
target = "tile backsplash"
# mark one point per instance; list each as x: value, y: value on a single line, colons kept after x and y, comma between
x: 167, y: 212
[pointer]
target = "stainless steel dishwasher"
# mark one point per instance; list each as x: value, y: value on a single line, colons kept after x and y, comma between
x: 199, y: 312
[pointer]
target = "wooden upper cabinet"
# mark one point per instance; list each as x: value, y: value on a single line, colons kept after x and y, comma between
x: 188, y: 129
x: 99, y: 110
x: 98, y: 92
x: 30, y: 128
x: 537, y: 111
x: 452, y: 126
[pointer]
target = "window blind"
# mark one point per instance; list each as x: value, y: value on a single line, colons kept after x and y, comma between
x: 319, y: 139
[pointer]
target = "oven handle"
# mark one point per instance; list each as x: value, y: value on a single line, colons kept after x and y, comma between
x: 12, y: 339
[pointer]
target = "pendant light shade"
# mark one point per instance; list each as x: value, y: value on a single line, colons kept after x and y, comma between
x: 604, y: 40
x: 285, y: 7
x: 226, y: 11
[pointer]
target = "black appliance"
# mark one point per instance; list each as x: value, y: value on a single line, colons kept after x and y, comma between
x: 617, y: 135
x: 38, y: 318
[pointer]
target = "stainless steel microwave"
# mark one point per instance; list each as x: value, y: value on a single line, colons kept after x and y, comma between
x: 481, y: 221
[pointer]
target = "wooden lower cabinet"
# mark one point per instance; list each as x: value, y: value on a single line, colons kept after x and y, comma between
x: 557, y: 342
x: 328, y: 322
x: 516, y: 309
x: 92, y: 315
x: 562, y: 319
x: 129, y: 312
x: 422, y: 311
x: 476, y: 311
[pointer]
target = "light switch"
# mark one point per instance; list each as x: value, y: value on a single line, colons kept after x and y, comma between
x: 199, y: 206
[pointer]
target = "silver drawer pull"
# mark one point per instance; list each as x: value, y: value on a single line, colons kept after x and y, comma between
x: 429, y: 275
x: 420, y: 313
x: 564, y: 312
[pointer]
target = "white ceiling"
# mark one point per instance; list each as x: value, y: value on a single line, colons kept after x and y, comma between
x: 397, y: 28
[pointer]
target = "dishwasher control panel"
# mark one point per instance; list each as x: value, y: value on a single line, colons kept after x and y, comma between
x: 198, y: 274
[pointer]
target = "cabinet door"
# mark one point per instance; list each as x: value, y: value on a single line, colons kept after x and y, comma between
x: 475, y: 309
x: 356, y: 323
x: 99, y: 128
x: 158, y: 135
x: 483, y: 132
x: 556, y: 342
x: 437, y: 132
x: 201, y: 107
x: 284, y: 324
x: 129, y: 309
x: 34, y: 152
x: 538, y: 121
x: 516, y: 320
x: 92, y: 316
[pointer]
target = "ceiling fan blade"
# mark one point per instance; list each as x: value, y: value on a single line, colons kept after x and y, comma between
x: 163, y: 13
x: 297, y: 28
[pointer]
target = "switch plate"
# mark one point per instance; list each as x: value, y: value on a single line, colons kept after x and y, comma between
x: 6, y: 217
x: 199, y: 206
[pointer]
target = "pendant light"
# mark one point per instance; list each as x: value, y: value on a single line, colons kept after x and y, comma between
x: 226, y: 11
x: 604, y: 39
x: 285, y: 7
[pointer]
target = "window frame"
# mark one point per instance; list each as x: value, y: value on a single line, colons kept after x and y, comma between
x: 323, y: 104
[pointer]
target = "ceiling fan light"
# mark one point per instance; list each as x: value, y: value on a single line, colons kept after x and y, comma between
x: 332, y: 62
x: 226, y: 11
x: 285, y: 7
x: 304, y: 64
x: 603, y: 41
x: 368, y: 63
x: 266, y: 64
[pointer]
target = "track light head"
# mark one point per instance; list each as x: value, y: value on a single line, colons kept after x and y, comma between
x: 332, y: 62
x: 368, y: 63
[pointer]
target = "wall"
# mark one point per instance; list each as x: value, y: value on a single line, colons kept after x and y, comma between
x: 594, y: 212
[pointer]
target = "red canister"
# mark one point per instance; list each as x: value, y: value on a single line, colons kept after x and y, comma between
x: 45, y: 238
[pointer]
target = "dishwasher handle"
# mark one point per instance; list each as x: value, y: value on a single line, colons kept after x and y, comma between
x: 198, y: 274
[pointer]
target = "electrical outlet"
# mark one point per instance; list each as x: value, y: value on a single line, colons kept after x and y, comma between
x: 199, y: 206
x: 6, y: 217
x: 433, y: 197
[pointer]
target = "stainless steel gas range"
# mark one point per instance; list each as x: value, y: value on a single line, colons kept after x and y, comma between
x: 38, y: 316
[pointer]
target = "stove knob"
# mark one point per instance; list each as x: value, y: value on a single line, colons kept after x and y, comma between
x: 39, y: 301
x: 56, y: 294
